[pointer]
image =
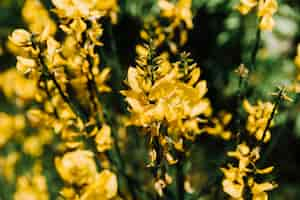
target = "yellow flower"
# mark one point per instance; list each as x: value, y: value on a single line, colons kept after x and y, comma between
x: 10, y: 126
x: 159, y: 185
x: 267, y: 23
x: 32, y: 187
x: 178, y: 17
x: 244, y: 155
x: 265, y: 11
x: 258, y: 119
x: 104, y: 187
x: 69, y: 193
x: 16, y: 87
x: 234, y: 189
x: 258, y: 190
x: 86, y: 8
x: 52, y: 49
x: 166, y: 94
x: 110, y: 7
x: 21, y: 37
x: 7, y: 165
x: 297, y: 58
x: 25, y: 65
x: 37, y: 117
x: 219, y: 126
x: 77, y: 167
x: 174, y: 100
x: 103, y: 139
x: 102, y: 78
x: 245, y: 6
x: 181, y: 11
x: 267, y: 7
x: 234, y: 177
x: 233, y: 182
x: 33, y: 146
x: 38, y: 18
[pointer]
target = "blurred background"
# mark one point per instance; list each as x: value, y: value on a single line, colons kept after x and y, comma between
x: 221, y: 40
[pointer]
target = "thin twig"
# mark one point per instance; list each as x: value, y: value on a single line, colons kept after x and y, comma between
x: 180, y: 177
x: 255, y: 49
x: 80, y: 113
x: 277, y: 102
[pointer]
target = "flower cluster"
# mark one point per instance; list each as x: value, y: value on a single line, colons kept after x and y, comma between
x: 174, y: 21
x: 238, y: 178
x: 86, y: 9
x: 17, y: 88
x: 58, y: 69
x: 38, y: 20
x: 58, y: 90
x: 61, y: 92
x: 32, y: 186
x: 79, y: 168
x: 10, y: 127
x: 220, y: 125
x: 167, y: 99
x: 167, y: 95
x: 8, y: 164
x: 265, y: 11
x: 258, y: 118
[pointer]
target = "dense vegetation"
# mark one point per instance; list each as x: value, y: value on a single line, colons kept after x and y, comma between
x: 149, y: 99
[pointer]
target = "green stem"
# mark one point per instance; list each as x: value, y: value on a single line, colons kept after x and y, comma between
x: 270, y: 148
x: 49, y: 97
x: 80, y: 113
x: 271, y: 116
x: 255, y: 49
x: 207, y: 189
x: 239, y: 103
x: 180, y: 178
x: 123, y: 166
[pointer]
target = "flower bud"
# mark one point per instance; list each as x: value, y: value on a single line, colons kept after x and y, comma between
x: 21, y: 37
x: 25, y: 65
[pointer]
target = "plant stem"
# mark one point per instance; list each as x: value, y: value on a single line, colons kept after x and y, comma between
x: 180, y: 179
x: 80, y: 113
x: 239, y: 103
x: 271, y: 116
x: 270, y: 148
x: 255, y: 50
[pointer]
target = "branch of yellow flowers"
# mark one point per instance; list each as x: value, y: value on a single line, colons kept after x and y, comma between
x: 121, y: 168
x: 48, y: 75
x: 265, y: 22
x: 280, y: 95
x: 46, y: 88
x: 242, y: 71
x: 120, y: 165
x: 132, y: 185
x: 265, y: 10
